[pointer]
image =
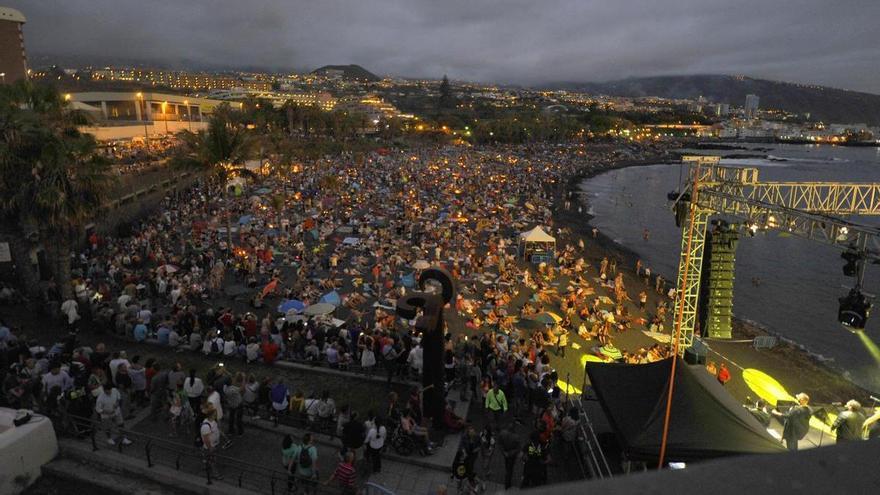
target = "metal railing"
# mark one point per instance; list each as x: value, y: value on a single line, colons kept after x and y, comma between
x: 590, y: 455
x: 155, y: 450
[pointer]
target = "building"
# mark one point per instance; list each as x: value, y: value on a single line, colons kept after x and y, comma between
x: 181, y: 80
x: 751, y: 108
x: 13, y: 61
x: 129, y: 115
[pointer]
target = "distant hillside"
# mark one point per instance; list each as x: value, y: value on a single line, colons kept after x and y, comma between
x: 826, y: 104
x: 352, y: 71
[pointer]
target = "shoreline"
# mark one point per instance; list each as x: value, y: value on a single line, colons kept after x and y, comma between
x: 580, y: 224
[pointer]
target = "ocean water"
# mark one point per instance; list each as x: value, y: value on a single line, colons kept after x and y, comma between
x: 799, y: 280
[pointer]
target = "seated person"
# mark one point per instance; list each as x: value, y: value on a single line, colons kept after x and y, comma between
x: 312, y: 351
x: 451, y: 420
x: 195, y: 341
x: 411, y: 427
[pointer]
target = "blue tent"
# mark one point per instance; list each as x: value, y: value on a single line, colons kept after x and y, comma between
x: 331, y: 297
x: 245, y: 219
x: 289, y: 304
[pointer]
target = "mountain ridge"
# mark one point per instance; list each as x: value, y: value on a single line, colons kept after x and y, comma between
x: 823, y: 103
x: 350, y: 71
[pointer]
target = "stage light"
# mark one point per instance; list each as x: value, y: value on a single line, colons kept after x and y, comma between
x: 854, y: 310
x: 852, y: 258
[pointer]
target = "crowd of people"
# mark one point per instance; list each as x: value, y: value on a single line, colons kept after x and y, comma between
x: 307, y: 266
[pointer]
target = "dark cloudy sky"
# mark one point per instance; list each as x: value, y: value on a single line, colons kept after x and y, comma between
x: 831, y: 42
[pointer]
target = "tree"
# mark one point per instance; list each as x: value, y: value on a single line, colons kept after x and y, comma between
x: 220, y: 151
x: 446, y: 98
x: 51, y: 179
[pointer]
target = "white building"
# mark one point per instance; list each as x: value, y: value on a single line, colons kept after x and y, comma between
x: 751, y: 108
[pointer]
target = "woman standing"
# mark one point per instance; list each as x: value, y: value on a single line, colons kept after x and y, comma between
x: 194, y: 388
x: 375, y: 443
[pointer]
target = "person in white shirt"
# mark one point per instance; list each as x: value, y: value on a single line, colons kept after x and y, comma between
x: 214, y: 399
x: 375, y: 442
x: 145, y: 315
x: 416, y: 359
x: 253, y: 350
x: 122, y: 302
x: 194, y: 388
x: 175, y: 294
x: 118, y: 358
x: 71, y: 309
x: 210, y: 433
x: 108, y: 407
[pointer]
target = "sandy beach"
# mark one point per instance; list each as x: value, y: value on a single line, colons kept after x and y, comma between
x: 795, y: 368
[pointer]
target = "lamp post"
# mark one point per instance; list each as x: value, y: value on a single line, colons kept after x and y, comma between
x: 3, y: 75
x: 165, y: 115
x: 188, y: 115
x: 143, y: 108
x: 430, y: 325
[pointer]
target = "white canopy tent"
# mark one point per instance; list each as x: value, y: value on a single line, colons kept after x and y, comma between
x: 537, y: 245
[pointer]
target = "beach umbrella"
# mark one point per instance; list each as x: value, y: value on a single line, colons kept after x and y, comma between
x: 291, y: 305
x: 293, y: 317
x: 245, y: 219
x: 408, y: 280
x: 421, y: 265
x: 331, y: 297
x: 319, y: 309
x: 547, y: 318
x: 263, y: 190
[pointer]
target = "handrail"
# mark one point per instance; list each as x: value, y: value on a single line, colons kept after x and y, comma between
x: 598, y: 464
x: 239, y: 473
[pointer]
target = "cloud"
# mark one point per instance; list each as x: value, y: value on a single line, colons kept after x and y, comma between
x: 515, y: 41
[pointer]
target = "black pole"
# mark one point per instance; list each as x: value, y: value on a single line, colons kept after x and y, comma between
x: 148, y: 448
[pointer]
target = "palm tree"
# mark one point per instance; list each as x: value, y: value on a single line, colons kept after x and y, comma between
x: 51, y: 179
x: 220, y: 151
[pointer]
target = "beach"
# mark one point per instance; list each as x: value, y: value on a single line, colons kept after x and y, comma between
x: 789, y: 363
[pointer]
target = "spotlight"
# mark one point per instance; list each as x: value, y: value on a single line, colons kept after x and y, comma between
x: 853, y: 258
x: 854, y: 310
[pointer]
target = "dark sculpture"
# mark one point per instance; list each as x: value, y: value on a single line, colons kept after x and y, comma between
x: 430, y: 325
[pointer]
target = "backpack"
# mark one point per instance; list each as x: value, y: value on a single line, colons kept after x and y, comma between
x: 215, y: 347
x: 305, y: 459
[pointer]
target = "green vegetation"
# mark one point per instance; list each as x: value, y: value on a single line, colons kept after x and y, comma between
x: 52, y: 180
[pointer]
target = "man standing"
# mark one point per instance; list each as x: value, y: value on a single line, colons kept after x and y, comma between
x: 496, y: 403
x: 848, y: 425
x: 510, y: 447
x: 210, y: 432
x: 795, y: 422
x: 535, y: 467
x: 307, y: 464
x: 108, y: 406
x: 375, y: 441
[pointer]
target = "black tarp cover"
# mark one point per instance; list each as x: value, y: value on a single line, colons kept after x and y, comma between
x: 706, y: 422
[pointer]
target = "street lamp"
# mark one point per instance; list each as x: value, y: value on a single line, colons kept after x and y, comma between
x: 3, y: 75
x: 165, y: 115
x: 188, y: 115
x: 143, y: 108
